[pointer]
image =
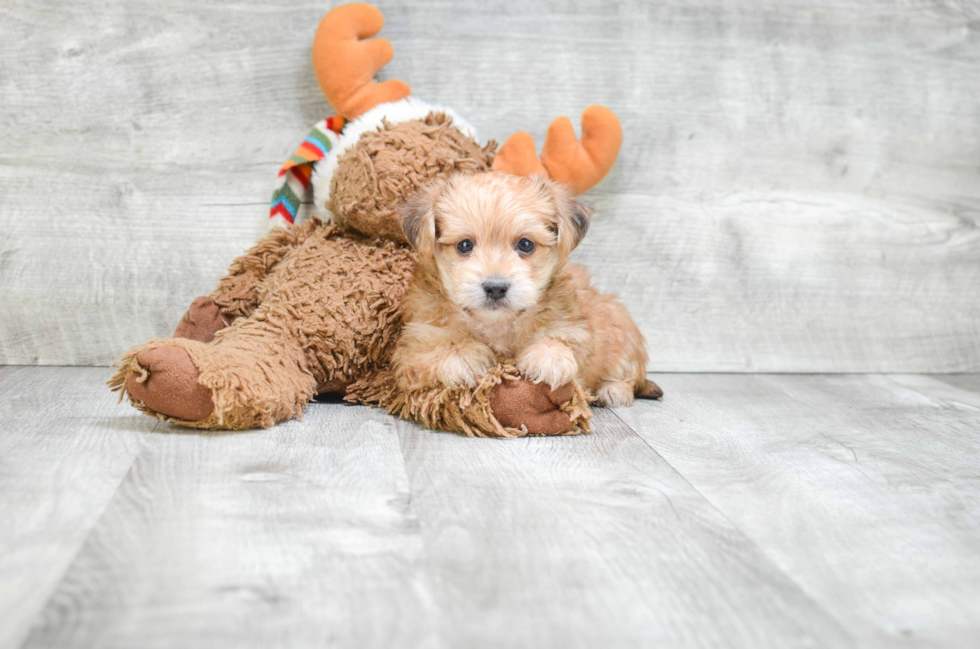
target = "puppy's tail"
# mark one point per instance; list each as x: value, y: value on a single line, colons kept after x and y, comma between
x: 649, y: 390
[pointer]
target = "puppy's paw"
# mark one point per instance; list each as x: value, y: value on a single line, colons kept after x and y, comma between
x: 615, y: 394
x: 460, y: 369
x: 548, y: 361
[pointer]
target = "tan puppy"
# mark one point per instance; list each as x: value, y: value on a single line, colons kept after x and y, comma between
x: 493, y: 280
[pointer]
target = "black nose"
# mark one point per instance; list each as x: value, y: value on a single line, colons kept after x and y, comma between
x: 495, y: 289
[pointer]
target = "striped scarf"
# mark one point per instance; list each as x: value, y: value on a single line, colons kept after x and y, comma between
x: 294, y: 177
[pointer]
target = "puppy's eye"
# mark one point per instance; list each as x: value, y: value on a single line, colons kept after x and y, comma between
x: 464, y: 247
x: 525, y: 246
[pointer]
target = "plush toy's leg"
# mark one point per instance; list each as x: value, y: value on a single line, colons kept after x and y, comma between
x: 253, y: 375
x: 164, y: 379
x: 328, y: 315
x: 521, y: 404
x: 166, y: 382
x: 501, y: 405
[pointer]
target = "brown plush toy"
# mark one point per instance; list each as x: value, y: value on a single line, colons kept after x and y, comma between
x: 314, y: 307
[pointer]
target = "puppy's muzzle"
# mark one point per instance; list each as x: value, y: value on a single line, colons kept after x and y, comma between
x: 495, y: 289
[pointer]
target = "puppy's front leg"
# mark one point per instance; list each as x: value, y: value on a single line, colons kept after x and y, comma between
x: 550, y: 361
x: 428, y: 354
x: 458, y: 365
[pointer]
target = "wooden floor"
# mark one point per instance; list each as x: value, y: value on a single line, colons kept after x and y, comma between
x: 742, y: 511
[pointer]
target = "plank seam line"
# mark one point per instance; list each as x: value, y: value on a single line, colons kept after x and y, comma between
x: 931, y: 377
x: 95, y: 523
x: 748, y: 539
x: 439, y: 611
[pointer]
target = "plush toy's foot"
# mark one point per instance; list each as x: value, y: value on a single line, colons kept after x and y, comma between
x: 233, y: 383
x: 168, y: 384
x: 503, y: 404
x: 202, y: 320
x: 336, y: 387
x: 518, y: 403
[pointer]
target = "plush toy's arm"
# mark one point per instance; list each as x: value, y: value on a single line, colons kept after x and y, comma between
x: 237, y: 294
x: 501, y: 405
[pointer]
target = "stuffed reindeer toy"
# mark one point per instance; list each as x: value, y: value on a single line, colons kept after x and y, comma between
x: 315, y: 307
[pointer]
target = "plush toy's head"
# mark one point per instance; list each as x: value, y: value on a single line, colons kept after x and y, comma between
x: 388, y: 165
x: 394, y: 144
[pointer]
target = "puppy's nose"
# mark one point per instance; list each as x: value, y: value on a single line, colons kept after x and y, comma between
x: 495, y: 289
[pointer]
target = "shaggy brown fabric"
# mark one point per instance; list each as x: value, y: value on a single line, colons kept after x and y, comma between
x: 466, y: 410
x: 239, y: 292
x: 328, y: 313
x: 202, y: 320
x: 389, y: 165
x: 247, y: 390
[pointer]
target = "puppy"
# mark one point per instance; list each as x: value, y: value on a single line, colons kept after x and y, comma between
x: 493, y: 280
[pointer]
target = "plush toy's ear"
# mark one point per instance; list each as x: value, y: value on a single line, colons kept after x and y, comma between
x: 418, y: 217
x: 572, y: 217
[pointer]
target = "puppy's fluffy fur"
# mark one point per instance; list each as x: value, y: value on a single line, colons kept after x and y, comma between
x: 470, y: 302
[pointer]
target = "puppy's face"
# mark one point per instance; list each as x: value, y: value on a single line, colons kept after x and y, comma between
x: 495, y: 239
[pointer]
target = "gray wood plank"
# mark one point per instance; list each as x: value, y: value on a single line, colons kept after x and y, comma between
x: 863, y: 489
x: 796, y: 192
x: 300, y: 535
x: 64, y: 449
x: 741, y: 511
x: 968, y: 382
x: 591, y: 541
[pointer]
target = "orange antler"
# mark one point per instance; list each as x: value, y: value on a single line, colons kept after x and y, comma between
x: 345, y: 65
x: 578, y: 164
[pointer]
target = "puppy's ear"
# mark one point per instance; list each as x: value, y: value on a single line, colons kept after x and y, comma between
x: 573, y: 218
x: 418, y: 217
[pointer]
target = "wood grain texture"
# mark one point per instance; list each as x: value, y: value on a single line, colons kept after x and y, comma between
x: 64, y: 449
x: 757, y: 511
x: 968, y: 382
x: 298, y: 536
x: 592, y: 541
x: 797, y: 190
x: 862, y: 489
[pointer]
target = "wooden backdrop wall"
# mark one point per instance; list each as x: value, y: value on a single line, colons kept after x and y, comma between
x: 799, y: 188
